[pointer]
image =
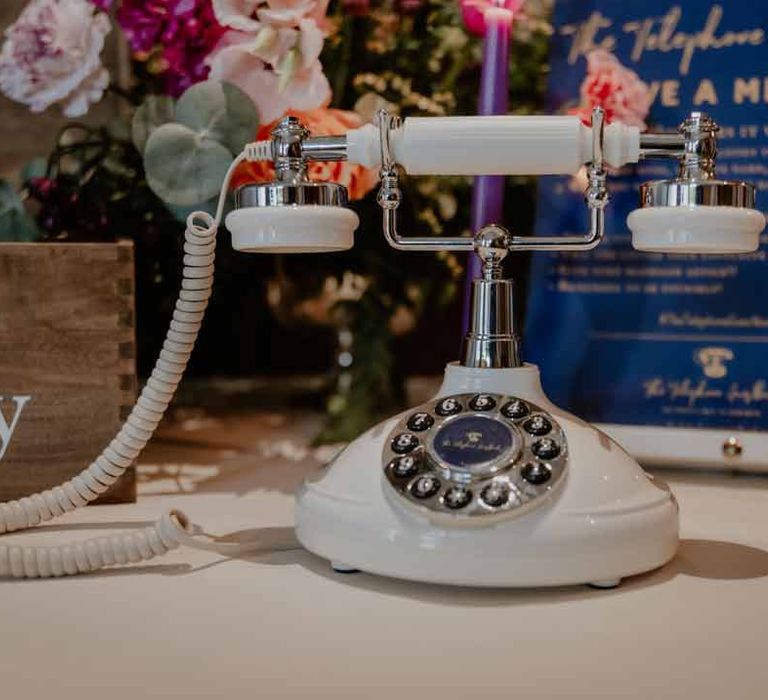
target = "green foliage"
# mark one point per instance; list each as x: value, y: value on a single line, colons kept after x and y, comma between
x: 219, y: 112
x: 15, y: 223
x: 182, y: 167
x: 186, y: 158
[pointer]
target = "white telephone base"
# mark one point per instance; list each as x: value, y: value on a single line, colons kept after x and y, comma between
x: 604, y: 520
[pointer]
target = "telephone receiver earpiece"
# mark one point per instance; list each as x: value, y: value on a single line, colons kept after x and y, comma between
x: 298, y: 228
x: 291, y: 214
x: 695, y: 212
x: 696, y: 229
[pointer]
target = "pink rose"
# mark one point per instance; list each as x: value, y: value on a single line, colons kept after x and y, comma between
x: 52, y: 54
x: 615, y: 88
x: 473, y: 12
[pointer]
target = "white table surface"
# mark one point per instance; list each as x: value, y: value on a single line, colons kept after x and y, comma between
x: 283, y: 625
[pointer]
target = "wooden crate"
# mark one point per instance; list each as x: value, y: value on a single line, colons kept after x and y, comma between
x: 67, y: 361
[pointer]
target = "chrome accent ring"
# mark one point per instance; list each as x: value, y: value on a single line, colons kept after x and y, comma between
x: 709, y: 193
x: 283, y: 194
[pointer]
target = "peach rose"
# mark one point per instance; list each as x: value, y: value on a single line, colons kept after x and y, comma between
x: 321, y: 122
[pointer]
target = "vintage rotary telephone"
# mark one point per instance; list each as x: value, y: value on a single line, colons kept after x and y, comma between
x: 489, y: 483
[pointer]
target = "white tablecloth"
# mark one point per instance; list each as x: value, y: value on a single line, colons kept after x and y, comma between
x: 283, y: 625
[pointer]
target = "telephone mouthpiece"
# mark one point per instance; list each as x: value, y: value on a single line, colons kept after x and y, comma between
x: 302, y: 217
x: 696, y: 216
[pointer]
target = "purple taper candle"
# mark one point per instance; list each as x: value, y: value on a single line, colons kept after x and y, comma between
x: 488, y: 191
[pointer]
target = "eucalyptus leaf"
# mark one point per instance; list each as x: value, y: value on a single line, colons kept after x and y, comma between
x: 155, y: 111
x: 182, y: 167
x: 219, y: 111
x: 15, y: 223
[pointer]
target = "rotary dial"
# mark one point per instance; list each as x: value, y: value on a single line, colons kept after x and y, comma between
x: 475, y: 456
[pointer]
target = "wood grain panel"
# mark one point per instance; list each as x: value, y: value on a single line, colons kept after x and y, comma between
x: 67, y: 341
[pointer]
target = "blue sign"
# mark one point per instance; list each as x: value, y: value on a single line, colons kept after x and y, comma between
x: 471, y: 440
x: 651, y: 339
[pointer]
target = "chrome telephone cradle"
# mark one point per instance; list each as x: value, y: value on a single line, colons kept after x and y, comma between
x: 489, y: 483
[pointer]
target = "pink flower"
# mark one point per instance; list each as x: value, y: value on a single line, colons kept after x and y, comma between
x: 473, y: 12
x: 306, y: 86
x: 175, y: 35
x: 237, y: 14
x: 52, y: 54
x: 615, y: 88
x: 247, y: 15
x: 273, y: 53
x: 321, y: 122
x: 287, y: 13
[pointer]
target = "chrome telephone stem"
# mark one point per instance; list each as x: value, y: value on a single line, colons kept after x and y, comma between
x: 661, y: 146
x: 696, y: 183
x: 694, y: 145
x: 292, y: 187
x: 287, y: 150
x: 491, y: 341
x: 325, y: 148
x: 700, y: 134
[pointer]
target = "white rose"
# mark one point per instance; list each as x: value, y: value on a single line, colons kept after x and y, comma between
x: 52, y: 54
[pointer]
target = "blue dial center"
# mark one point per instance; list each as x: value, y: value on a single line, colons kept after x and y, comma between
x: 471, y: 440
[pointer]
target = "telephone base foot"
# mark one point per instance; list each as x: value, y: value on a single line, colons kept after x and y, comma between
x: 606, y: 584
x: 340, y: 568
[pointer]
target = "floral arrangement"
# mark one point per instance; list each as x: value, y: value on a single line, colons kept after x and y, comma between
x: 209, y: 76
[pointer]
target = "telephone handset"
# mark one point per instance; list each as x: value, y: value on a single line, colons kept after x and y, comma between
x: 489, y: 483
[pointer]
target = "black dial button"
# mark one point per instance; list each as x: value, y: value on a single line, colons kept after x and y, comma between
x: 545, y: 448
x: 404, y: 443
x: 482, y: 402
x: 536, y: 473
x: 515, y: 409
x: 425, y: 487
x: 537, y: 425
x: 457, y: 497
x: 448, y: 407
x: 495, y: 495
x: 420, y: 421
x: 405, y: 466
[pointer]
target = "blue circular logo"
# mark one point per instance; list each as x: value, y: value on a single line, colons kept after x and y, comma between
x: 471, y: 440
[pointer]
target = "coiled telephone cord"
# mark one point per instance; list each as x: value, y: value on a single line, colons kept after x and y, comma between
x: 173, y: 528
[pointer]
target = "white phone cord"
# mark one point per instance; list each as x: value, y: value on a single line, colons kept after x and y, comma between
x: 173, y: 528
